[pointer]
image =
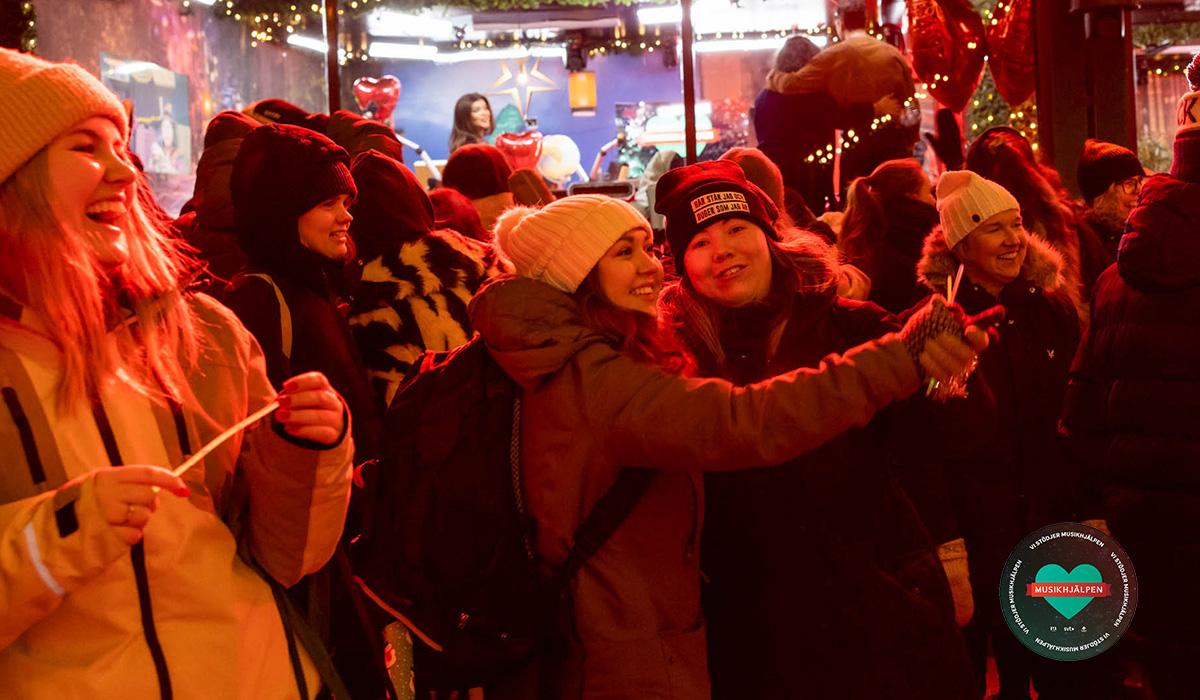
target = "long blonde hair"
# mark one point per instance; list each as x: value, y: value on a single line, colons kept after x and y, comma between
x: 51, y: 268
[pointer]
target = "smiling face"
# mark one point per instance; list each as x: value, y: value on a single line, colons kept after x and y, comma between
x: 630, y: 274
x: 325, y: 229
x: 992, y: 254
x: 481, y: 116
x: 729, y: 263
x: 91, y: 186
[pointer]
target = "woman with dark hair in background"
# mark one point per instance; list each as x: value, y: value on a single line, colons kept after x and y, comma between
x: 888, y: 215
x: 472, y: 120
x: 1003, y: 155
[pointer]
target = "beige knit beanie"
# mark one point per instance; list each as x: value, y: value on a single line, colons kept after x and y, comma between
x: 965, y: 200
x: 39, y: 100
x: 560, y: 243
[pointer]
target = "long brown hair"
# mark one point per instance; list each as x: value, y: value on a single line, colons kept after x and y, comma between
x: 463, y: 130
x: 52, y: 270
x: 1002, y: 155
x: 633, y: 332
x: 864, y: 230
x: 803, y: 266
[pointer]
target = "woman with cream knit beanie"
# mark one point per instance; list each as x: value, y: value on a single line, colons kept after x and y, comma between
x: 576, y: 329
x: 119, y: 577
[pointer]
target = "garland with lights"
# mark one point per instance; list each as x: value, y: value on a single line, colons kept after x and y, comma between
x: 1149, y: 36
x: 18, y: 25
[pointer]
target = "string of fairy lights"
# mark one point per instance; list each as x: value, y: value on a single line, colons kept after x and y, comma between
x: 271, y: 22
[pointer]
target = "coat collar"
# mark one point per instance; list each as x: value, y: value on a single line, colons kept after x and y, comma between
x: 1043, y: 265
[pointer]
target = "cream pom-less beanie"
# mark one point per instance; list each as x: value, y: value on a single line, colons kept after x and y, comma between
x: 39, y: 100
x: 560, y: 243
x: 965, y: 200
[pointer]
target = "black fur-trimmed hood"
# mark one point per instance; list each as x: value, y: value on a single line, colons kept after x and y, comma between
x: 1044, y: 266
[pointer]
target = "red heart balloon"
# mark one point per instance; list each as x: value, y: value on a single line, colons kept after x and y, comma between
x: 522, y: 150
x: 1010, y: 51
x: 947, y: 43
x: 384, y: 92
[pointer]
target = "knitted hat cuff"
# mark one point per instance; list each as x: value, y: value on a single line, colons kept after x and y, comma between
x: 966, y: 201
x: 1101, y: 165
x: 1186, y: 164
x: 331, y: 180
x: 40, y: 100
x: 561, y: 243
x: 1187, y: 118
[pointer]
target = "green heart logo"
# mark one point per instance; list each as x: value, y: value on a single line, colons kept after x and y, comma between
x: 1068, y: 606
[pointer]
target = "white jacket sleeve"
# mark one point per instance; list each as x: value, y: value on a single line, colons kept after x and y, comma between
x: 50, y: 545
x: 299, y: 490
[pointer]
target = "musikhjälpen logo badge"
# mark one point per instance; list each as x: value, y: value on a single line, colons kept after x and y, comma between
x: 1068, y: 591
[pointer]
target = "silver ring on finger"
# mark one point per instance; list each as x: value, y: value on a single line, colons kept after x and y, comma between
x: 128, y: 514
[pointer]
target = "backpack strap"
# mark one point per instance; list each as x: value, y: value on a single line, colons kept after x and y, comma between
x: 604, y: 519
x: 285, y: 313
x: 606, y: 516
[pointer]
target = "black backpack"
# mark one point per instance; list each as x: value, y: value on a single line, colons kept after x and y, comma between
x: 446, y: 544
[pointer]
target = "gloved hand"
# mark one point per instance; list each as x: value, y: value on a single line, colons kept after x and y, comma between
x: 948, y: 143
x: 953, y: 555
x: 943, y: 341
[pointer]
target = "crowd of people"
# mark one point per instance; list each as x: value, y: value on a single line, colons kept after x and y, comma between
x: 835, y: 479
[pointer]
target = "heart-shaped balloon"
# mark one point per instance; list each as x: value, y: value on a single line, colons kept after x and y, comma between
x: 947, y: 43
x: 522, y: 150
x: 384, y: 92
x: 1010, y: 51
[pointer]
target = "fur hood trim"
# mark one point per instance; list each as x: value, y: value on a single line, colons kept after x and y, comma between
x: 1044, y: 266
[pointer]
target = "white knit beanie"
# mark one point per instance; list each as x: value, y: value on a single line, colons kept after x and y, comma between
x: 560, y: 243
x: 965, y: 200
x: 39, y: 100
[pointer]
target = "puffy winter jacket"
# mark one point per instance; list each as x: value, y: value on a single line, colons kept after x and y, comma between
x: 80, y: 615
x: 589, y: 410
x: 1133, y: 404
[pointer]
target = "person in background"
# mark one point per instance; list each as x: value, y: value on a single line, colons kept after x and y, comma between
x: 601, y: 390
x: 794, y: 216
x: 888, y: 215
x: 292, y: 191
x: 206, y: 222
x: 120, y: 578
x: 831, y: 525
x: 1001, y: 154
x: 412, y: 281
x: 481, y: 172
x: 793, y: 124
x: 1133, y: 409
x: 165, y: 156
x: 472, y: 121
x: 452, y: 210
x: 1110, y: 178
x: 999, y: 470
x: 856, y: 71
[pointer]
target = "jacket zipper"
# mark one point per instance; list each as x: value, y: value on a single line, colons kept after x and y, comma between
x: 32, y: 458
x: 138, y: 555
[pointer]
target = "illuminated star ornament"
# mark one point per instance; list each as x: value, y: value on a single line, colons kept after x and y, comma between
x: 521, y: 82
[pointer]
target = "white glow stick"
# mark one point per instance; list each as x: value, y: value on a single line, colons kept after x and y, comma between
x: 216, y: 442
x: 957, y: 282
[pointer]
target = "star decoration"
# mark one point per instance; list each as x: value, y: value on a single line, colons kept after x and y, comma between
x: 521, y: 82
